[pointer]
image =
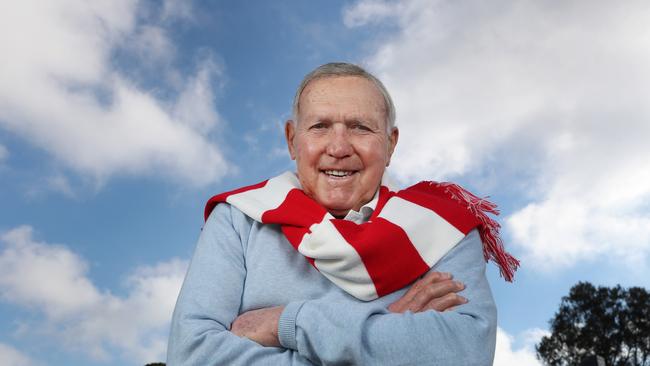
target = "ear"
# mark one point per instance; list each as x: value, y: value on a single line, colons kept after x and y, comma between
x: 289, y: 134
x: 392, y: 142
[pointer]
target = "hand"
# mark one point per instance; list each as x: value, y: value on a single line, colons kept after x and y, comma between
x: 435, y: 291
x: 259, y: 325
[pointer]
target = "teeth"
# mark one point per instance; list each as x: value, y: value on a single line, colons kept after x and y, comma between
x: 338, y: 173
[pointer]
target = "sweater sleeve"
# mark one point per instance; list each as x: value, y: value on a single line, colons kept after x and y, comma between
x: 209, y: 302
x: 328, y: 332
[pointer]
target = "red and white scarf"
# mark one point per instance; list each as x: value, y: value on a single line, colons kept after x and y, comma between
x: 408, y: 232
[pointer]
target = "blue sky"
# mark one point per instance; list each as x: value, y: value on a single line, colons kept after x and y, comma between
x: 118, y: 119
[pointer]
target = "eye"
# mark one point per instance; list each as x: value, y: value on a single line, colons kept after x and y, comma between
x: 317, y: 126
x: 360, y: 126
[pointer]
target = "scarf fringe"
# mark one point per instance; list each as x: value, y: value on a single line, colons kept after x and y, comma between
x: 488, y: 229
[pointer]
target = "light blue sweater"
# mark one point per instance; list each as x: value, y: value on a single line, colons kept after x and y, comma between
x: 241, y: 265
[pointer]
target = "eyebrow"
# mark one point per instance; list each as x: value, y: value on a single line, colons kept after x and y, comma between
x: 347, y: 121
x: 366, y: 122
x: 355, y: 122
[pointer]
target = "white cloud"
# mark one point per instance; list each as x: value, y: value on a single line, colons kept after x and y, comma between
x: 368, y: 12
x: 507, y: 355
x: 48, y: 277
x: 9, y: 356
x: 194, y: 106
x: 52, y: 280
x: 151, y: 44
x: 61, y: 91
x: 546, y: 102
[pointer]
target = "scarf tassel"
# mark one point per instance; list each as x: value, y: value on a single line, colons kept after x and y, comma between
x: 488, y: 228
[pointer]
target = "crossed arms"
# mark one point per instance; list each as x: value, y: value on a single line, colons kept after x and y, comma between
x: 332, y: 329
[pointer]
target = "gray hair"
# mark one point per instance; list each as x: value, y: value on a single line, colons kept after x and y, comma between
x: 334, y: 69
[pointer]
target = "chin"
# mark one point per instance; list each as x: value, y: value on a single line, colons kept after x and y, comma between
x: 338, y: 208
x: 337, y: 200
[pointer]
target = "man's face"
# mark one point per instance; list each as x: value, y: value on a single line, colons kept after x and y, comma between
x: 340, y: 142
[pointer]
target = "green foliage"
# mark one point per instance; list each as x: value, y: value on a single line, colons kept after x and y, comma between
x: 610, y: 322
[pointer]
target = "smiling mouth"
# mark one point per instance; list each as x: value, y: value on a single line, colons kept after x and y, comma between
x: 339, y: 173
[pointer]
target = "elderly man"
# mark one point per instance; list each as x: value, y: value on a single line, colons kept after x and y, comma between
x: 314, y: 267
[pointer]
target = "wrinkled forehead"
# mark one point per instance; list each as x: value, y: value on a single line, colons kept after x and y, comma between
x: 342, y: 97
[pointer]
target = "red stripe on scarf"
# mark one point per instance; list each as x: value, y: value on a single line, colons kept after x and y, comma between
x: 386, y: 251
x: 294, y: 235
x: 215, y: 200
x: 296, y: 210
x: 297, y: 213
x: 384, y: 195
x: 435, y: 199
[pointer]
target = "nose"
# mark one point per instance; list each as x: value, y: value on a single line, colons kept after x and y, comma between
x: 339, y: 145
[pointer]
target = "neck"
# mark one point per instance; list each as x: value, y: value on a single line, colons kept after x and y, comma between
x: 339, y: 214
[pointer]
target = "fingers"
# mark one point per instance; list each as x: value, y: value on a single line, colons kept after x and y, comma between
x: 434, y: 291
x: 419, y: 285
x: 445, y: 303
x: 402, y: 304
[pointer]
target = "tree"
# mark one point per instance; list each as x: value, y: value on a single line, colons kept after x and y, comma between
x: 610, y: 322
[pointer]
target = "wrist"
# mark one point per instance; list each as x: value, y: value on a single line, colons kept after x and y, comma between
x: 287, y: 325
